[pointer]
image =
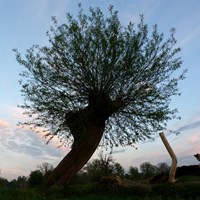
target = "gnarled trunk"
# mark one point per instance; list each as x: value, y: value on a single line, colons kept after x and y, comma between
x: 87, y: 127
x: 80, y: 153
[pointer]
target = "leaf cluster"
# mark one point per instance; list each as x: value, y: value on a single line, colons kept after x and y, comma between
x: 95, y: 54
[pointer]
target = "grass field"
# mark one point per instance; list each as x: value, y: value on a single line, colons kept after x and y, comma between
x: 187, y: 188
x: 34, y: 195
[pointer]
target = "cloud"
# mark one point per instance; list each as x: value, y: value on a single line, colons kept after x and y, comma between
x: 187, y: 160
x: 5, y: 127
x: 186, y: 144
x: 4, y: 124
x: 119, y: 151
x: 25, y: 141
x: 189, y: 126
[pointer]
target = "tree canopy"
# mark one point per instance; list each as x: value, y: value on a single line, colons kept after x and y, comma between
x: 92, y: 56
x: 100, y: 82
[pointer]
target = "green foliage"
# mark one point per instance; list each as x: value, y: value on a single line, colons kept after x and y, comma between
x: 148, y: 170
x: 163, y: 168
x: 36, y: 178
x: 87, y: 192
x: 188, y: 179
x: 134, y: 173
x: 18, y: 194
x: 124, y: 74
x: 45, y: 168
x: 104, y: 166
x: 56, y: 191
x: 183, y: 191
x: 118, y: 170
x: 81, y: 190
x: 185, y: 188
x: 3, y: 182
x: 20, y: 182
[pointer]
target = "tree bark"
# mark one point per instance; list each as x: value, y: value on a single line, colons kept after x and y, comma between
x: 172, y: 172
x: 87, y: 127
x: 79, y: 155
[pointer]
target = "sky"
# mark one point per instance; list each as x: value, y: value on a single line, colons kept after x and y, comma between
x: 24, y: 23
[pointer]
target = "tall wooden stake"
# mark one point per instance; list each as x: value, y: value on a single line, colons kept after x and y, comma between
x: 172, y: 172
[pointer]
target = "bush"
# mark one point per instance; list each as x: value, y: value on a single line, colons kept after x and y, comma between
x: 19, y: 194
x: 185, y: 191
x: 80, y: 190
x: 36, y: 178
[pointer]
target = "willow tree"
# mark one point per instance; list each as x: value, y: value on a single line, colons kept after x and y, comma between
x: 98, y: 82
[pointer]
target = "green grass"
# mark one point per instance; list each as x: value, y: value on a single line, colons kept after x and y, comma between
x: 188, y: 179
x: 101, y: 197
x: 34, y: 195
x: 16, y: 194
x: 182, y: 190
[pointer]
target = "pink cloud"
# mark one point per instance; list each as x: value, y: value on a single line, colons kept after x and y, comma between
x: 16, y: 115
x: 5, y: 128
x: 4, y: 124
x: 40, y: 133
x: 194, y: 139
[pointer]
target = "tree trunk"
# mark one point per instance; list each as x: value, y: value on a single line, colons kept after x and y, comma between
x: 172, y: 172
x: 79, y: 155
x: 87, y: 127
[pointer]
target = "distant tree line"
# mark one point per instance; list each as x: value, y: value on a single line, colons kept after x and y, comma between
x: 35, y: 178
x: 93, y: 171
x: 106, y: 166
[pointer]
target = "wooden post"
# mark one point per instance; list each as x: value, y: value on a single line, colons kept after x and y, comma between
x: 172, y: 172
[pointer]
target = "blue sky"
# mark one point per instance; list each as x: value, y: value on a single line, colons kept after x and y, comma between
x: 24, y: 23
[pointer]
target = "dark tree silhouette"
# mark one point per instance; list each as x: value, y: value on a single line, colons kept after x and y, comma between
x: 104, y: 166
x: 163, y: 168
x: 134, y: 173
x: 36, y: 178
x: 95, y: 170
x: 45, y: 168
x: 148, y: 170
x: 118, y: 170
x: 99, y: 82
